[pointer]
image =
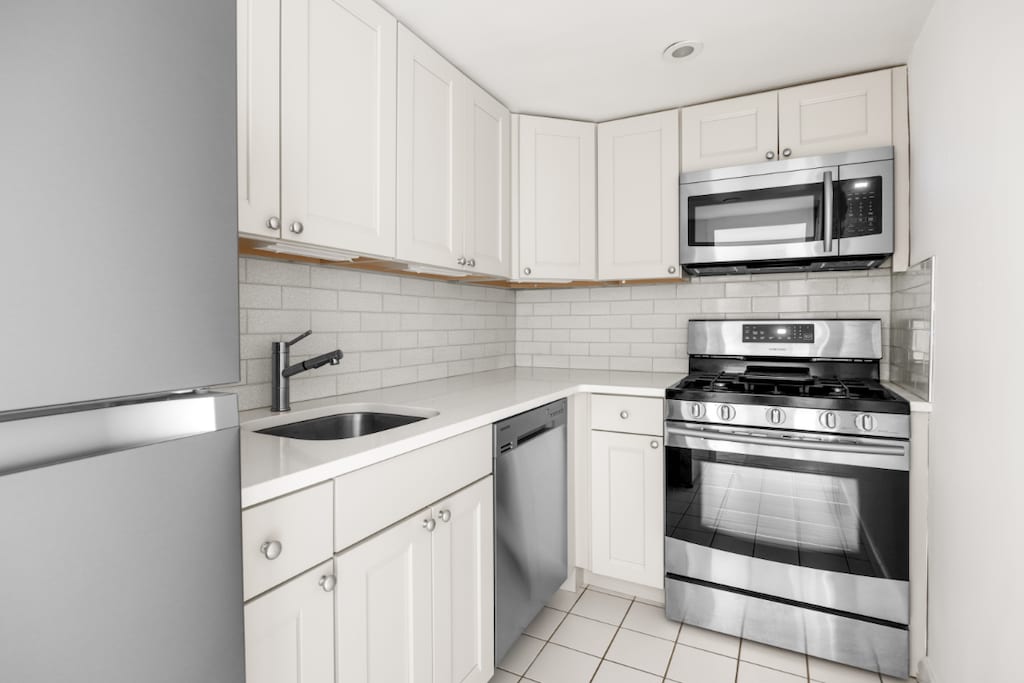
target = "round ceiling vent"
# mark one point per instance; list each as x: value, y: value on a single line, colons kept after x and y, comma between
x: 684, y: 49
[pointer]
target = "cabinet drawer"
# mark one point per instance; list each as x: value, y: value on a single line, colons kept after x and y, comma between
x: 300, y: 523
x: 631, y: 414
x: 375, y: 497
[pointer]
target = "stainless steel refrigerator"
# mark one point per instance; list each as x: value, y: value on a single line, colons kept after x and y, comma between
x: 120, y: 556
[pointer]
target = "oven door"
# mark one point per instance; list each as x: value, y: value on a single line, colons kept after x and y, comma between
x: 779, y: 216
x: 820, y: 521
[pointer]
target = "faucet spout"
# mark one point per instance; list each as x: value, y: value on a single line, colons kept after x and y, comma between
x: 332, y: 357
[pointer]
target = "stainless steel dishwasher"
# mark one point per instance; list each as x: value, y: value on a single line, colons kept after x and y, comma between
x: 530, y: 518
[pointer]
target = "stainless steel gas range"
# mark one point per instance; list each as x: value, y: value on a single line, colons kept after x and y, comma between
x: 787, y: 490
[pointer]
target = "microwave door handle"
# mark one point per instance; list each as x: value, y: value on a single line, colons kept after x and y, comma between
x: 828, y: 201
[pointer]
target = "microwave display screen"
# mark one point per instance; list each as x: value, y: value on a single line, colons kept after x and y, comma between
x: 860, y: 207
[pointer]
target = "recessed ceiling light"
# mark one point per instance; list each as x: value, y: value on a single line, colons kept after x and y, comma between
x: 684, y: 49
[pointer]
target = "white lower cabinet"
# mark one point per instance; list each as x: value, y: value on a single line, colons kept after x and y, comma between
x: 415, y: 603
x: 289, y: 631
x: 627, y: 507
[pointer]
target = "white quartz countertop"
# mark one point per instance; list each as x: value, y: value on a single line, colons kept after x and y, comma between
x: 273, y: 466
x: 917, y: 404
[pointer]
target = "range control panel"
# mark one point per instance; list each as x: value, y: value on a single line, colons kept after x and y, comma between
x: 781, y: 332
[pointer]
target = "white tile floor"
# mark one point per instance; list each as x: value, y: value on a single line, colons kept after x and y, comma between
x: 600, y: 637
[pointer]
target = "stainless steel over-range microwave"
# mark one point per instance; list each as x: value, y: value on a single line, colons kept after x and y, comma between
x: 830, y: 212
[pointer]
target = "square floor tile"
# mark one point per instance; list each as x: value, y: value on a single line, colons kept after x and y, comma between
x: 650, y: 620
x: 824, y: 671
x: 712, y: 641
x: 774, y: 658
x: 752, y: 673
x: 585, y: 635
x: 609, y: 591
x: 641, y: 651
x: 601, y: 606
x: 557, y: 664
x: 545, y: 623
x: 610, y: 672
x: 521, y: 655
x: 690, y: 665
x: 504, y: 677
x: 563, y: 600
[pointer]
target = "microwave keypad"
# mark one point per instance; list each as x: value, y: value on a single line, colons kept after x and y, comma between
x: 863, y: 207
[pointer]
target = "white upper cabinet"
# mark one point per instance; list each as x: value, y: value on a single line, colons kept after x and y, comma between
x: 316, y: 92
x: 556, y: 194
x: 430, y: 115
x: 741, y: 130
x: 259, y: 121
x: 638, y: 197
x: 833, y: 116
x: 488, y: 236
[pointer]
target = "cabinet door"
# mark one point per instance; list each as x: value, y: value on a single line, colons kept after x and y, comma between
x: 430, y: 121
x: 627, y: 507
x: 259, y: 121
x: 638, y: 197
x: 384, y: 606
x: 741, y: 130
x: 557, y: 213
x: 487, y: 238
x: 289, y: 632
x: 835, y: 116
x: 338, y: 125
x: 464, y: 585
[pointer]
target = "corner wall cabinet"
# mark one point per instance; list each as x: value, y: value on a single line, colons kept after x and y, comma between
x: 453, y: 165
x: 316, y: 122
x: 638, y: 197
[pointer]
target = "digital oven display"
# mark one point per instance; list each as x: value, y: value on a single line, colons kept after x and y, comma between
x: 780, y: 332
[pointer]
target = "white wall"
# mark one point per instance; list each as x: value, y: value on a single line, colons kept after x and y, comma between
x: 967, y: 173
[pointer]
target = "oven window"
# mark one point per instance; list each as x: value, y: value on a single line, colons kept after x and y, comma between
x: 778, y: 215
x: 837, y: 518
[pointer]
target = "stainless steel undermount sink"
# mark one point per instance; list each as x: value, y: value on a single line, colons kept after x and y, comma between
x: 341, y: 426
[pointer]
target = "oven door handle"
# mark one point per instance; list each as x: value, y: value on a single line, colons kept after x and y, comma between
x: 882, y: 456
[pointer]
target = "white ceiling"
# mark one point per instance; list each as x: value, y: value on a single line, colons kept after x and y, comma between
x: 601, y: 59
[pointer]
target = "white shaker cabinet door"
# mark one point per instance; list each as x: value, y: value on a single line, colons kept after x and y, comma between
x: 430, y: 122
x: 384, y: 595
x: 557, y: 187
x: 638, y: 197
x: 627, y: 507
x: 289, y: 631
x: 837, y: 115
x: 259, y: 121
x: 733, y: 132
x: 464, y: 585
x: 487, y: 191
x: 338, y: 125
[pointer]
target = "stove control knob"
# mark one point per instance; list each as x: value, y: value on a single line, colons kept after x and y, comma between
x: 726, y: 412
x: 696, y: 410
x: 865, y: 422
x: 828, y: 420
x: 775, y: 416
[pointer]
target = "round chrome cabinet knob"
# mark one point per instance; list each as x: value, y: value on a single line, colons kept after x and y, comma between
x: 671, y: 270
x: 697, y: 410
x: 787, y: 152
x: 828, y: 420
x: 726, y: 412
x: 775, y: 416
x: 328, y: 582
x: 271, y: 549
x: 430, y: 524
x: 471, y: 263
x: 769, y: 156
x: 865, y: 423
x: 296, y: 227
x: 461, y: 260
x: 624, y: 414
x: 526, y: 271
x: 654, y: 445
x: 274, y: 223
x: 445, y: 515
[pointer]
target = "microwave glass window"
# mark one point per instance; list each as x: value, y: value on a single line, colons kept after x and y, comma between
x: 829, y: 517
x: 860, y: 207
x: 783, y: 215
